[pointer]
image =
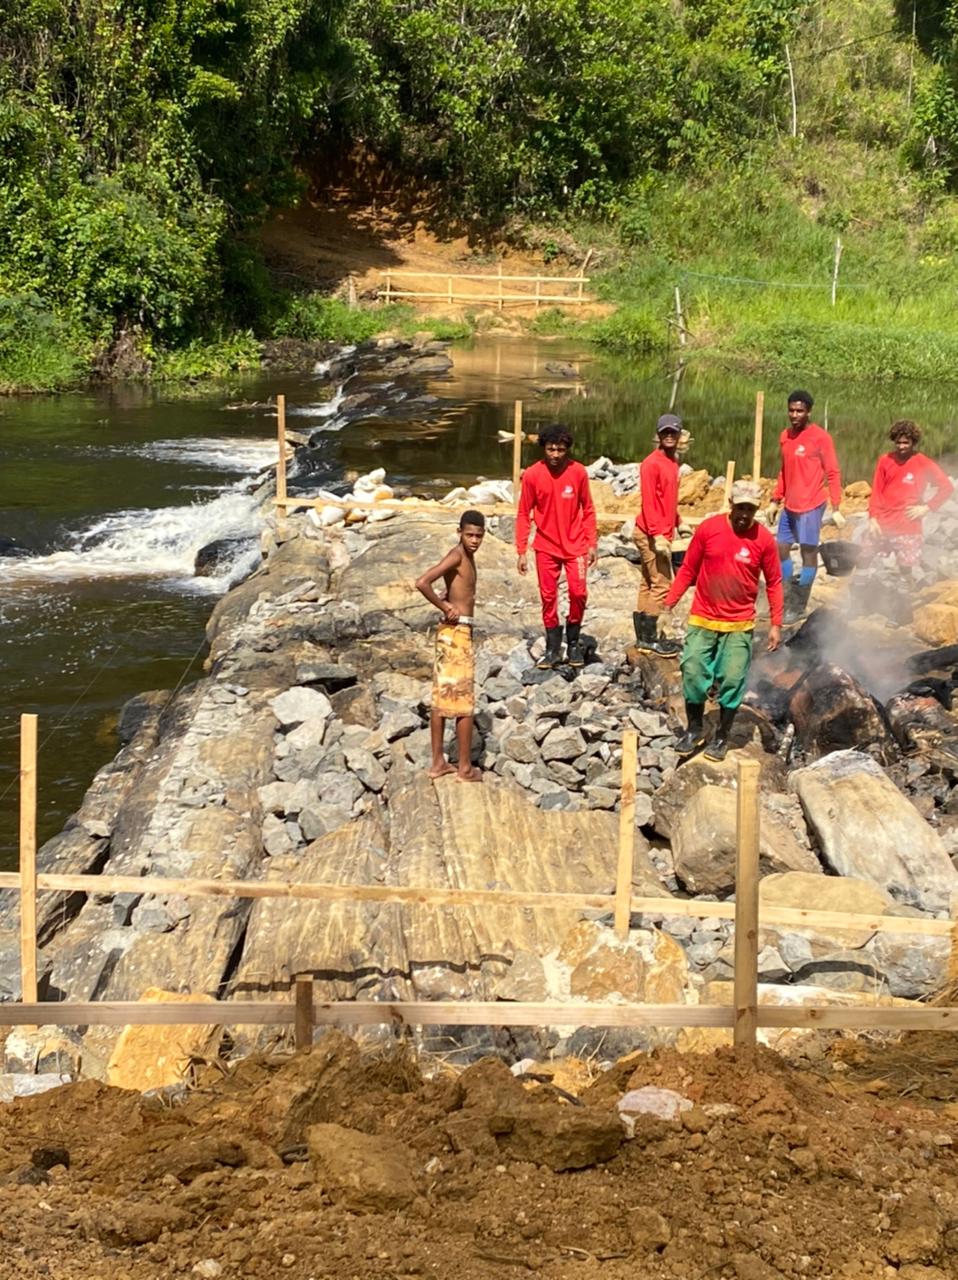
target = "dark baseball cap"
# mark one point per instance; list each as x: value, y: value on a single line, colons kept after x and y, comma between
x: 669, y: 422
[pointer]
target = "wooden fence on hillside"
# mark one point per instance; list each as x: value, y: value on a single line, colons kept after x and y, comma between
x: 566, y: 291
x: 304, y: 1013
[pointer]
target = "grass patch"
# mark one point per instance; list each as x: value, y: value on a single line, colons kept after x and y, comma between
x: 39, y: 351
x: 236, y: 353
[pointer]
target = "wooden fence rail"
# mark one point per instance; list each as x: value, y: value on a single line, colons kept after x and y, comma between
x: 304, y: 1013
x: 450, y: 294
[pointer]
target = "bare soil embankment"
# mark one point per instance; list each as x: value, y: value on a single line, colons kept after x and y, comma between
x: 339, y: 1164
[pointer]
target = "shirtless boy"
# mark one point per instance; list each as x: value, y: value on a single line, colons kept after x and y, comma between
x: 453, y: 696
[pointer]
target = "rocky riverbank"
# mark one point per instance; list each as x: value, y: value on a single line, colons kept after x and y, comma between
x: 301, y: 755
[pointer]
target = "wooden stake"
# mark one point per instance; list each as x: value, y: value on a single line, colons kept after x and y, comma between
x: 538, y: 292
x: 389, y: 285
x: 746, y: 905
x: 757, y: 442
x: 791, y: 85
x: 304, y: 1022
x: 679, y: 317
x: 449, y: 285
x: 729, y: 481
x: 281, y: 460
x: 623, y: 878
x: 517, y: 451
x: 499, y: 277
x: 28, y: 859
x: 838, y: 258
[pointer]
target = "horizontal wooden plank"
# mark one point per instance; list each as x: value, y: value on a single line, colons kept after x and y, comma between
x: 467, y: 1013
x: 447, y: 275
x: 104, y: 884
x: 677, y: 908
x: 144, y: 1013
x: 364, y: 1013
x: 525, y: 299
x: 927, y: 1018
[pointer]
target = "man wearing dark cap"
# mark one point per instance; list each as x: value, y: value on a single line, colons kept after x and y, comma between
x: 656, y: 525
x: 809, y: 467
x: 725, y: 559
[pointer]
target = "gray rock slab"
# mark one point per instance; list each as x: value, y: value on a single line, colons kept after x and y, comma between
x: 865, y: 827
x: 704, y: 843
x: 562, y: 744
x: 300, y: 704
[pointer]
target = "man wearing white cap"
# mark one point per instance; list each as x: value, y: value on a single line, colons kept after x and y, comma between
x: 725, y: 558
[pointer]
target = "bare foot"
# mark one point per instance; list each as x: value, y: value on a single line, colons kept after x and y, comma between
x: 474, y: 775
x: 440, y: 771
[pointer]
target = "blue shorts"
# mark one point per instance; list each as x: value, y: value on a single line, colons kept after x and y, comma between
x: 803, y: 527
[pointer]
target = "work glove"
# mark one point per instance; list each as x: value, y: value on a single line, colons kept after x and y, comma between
x: 771, y: 512
x: 682, y: 529
x: 917, y: 511
x: 662, y: 545
x: 838, y: 520
x: 663, y: 625
x: 874, y: 528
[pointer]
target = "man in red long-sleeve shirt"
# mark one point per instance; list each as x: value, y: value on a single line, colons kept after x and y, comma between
x: 727, y: 555
x: 555, y: 493
x: 900, y: 498
x: 809, y: 467
x: 655, y: 526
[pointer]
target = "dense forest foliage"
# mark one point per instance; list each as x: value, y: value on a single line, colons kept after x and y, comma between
x: 139, y: 139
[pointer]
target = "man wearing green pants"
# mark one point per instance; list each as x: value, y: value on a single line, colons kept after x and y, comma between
x: 725, y: 558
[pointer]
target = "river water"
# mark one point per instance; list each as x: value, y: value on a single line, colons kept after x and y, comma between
x: 111, y: 495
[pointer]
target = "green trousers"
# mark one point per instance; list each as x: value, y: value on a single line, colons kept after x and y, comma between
x: 716, y: 660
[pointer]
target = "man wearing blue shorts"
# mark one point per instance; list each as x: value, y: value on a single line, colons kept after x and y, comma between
x: 808, y: 473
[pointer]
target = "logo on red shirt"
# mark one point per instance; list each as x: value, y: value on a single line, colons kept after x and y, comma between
x: 743, y: 553
x: 568, y: 491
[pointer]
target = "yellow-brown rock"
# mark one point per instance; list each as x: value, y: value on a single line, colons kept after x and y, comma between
x: 151, y: 1057
x: 937, y: 623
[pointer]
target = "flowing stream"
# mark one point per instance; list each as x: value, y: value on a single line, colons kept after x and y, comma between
x: 107, y: 497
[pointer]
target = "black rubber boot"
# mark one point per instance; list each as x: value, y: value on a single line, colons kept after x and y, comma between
x: 694, y: 736
x: 644, y: 634
x: 662, y: 646
x: 717, y: 749
x: 553, y: 654
x: 573, y: 651
x: 796, y: 602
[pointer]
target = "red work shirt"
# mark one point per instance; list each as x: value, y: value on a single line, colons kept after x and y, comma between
x: 809, y: 466
x: 725, y: 567
x: 659, y: 482
x: 900, y: 484
x: 562, y: 508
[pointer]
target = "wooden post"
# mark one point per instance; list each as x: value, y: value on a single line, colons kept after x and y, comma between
x: 538, y: 291
x: 281, y: 462
x: 746, y: 905
x: 757, y: 442
x: 791, y: 85
x: 838, y: 258
x: 729, y: 481
x: 500, y: 286
x: 449, y: 286
x: 352, y: 300
x: 517, y: 451
x: 304, y: 1012
x: 28, y: 859
x: 623, y: 878
x: 679, y: 317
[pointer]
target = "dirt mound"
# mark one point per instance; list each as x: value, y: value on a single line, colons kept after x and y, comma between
x: 342, y: 1164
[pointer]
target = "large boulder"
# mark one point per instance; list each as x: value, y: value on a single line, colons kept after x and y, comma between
x: 865, y: 827
x: 704, y: 841
x: 672, y: 798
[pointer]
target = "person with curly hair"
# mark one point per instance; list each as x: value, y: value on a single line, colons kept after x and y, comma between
x: 555, y: 495
x: 906, y: 486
